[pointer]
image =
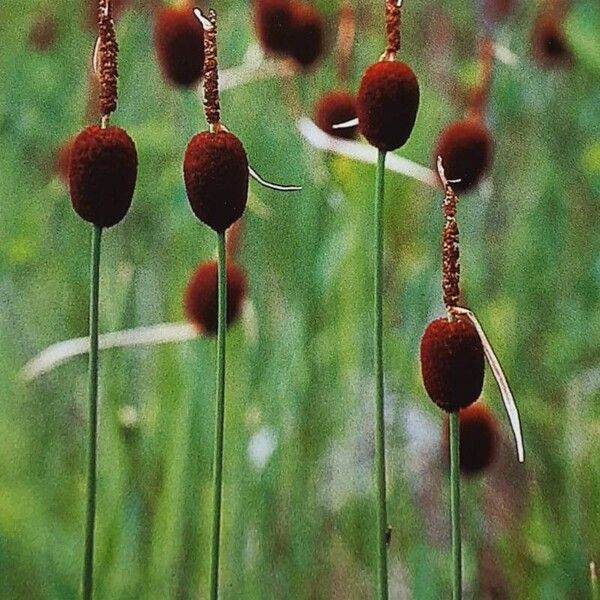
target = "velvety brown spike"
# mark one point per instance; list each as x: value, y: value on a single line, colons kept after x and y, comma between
x: 179, y: 44
x: 478, y: 432
x: 273, y: 22
x: 387, y: 104
x: 306, y: 37
x: 102, y: 174
x: 466, y: 148
x: 334, y: 108
x: 215, y: 169
x: 452, y: 363
x: 201, y: 296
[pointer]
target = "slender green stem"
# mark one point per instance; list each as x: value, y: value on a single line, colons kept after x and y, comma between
x: 87, y: 576
x: 455, y: 506
x: 220, y: 420
x: 382, y: 524
x: 594, y: 582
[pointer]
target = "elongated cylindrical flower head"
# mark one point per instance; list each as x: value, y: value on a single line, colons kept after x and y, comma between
x: 200, y: 299
x: 452, y: 363
x: 179, y: 43
x: 334, y: 108
x: 466, y: 148
x: 215, y: 170
x: 306, y: 37
x: 102, y: 174
x: 478, y: 431
x: 387, y: 104
x: 273, y: 22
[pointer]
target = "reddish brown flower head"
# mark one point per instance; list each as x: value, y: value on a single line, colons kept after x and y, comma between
x: 179, y: 43
x: 43, y: 33
x: 478, y: 431
x: 336, y: 107
x: 273, y: 22
x: 466, y: 148
x: 102, y: 174
x: 452, y: 363
x: 200, y: 301
x: 496, y: 10
x: 215, y: 169
x: 305, y: 43
x: 387, y: 104
x: 550, y: 47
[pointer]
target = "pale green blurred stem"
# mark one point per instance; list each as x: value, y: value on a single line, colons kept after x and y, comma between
x: 455, y: 506
x: 382, y: 524
x: 87, y: 577
x: 220, y: 419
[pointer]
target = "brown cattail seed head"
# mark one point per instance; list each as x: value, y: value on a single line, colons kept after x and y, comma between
x: 452, y: 363
x: 466, y: 148
x: 102, y: 174
x: 215, y: 169
x: 107, y: 52
x: 550, y: 47
x: 62, y: 160
x: 478, y: 432
x: 306, y: 37
x: 387, y: 104
x: 273, y: 22
x: 200, y: 299
x: 336, y: 107
x: 179, y: 43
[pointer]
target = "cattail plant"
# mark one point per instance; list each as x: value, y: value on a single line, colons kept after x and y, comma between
x: 291, y: 29
x: 200, y: 301
x: 453, y: 349
x: 386, y: 104
x: 478, y: 438
x: 216, y: 173
x: 179, y: 45
x: 102, y: 174
x: 466, y: 146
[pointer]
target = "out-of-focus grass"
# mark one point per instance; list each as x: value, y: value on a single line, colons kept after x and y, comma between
x: 299, y: 520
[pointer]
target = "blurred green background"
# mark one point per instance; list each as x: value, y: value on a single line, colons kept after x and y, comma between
x: 299, y: 518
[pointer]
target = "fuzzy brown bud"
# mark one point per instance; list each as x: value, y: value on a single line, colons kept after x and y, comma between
x: 102, y: 174
x: 452, y: 363
x: 179, y: 44
x: 466, y: 148
x: 550, y: 47
x: 387, y: 104
x: 333, y: 108
x: 306, y: 36
x: 201, y: 296
x: 273, y: 21
x: 215, y: 169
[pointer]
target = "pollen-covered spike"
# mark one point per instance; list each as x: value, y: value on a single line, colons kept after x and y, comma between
x: 200, y: 298
x: 107, y: 51
x: 392, y: 26
x: 102, y: 174
x: 179, y: 44
x: 466, y: 148
x: 215, y: 169
x: 387, y: 104
x: 336, y: 107
x: 450, y: 243
x: 306, y: 36
x: 505, y: 391
x: 273, y: 186
x: 212, y: 108
x: 452, y: 363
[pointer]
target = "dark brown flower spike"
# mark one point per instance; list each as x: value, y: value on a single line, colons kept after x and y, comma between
x: 479, y: 436
x: 212, y: 108
x: 200, y: 299
x: 336, y: 107
x: 179, y: 43
x: 306, y: 36
x: 273, y: 21
x: 550, y: 46
x: 107, y: 55
x: 450, y: 244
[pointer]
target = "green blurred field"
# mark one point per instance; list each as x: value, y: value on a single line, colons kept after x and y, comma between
x: 299, y: 518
